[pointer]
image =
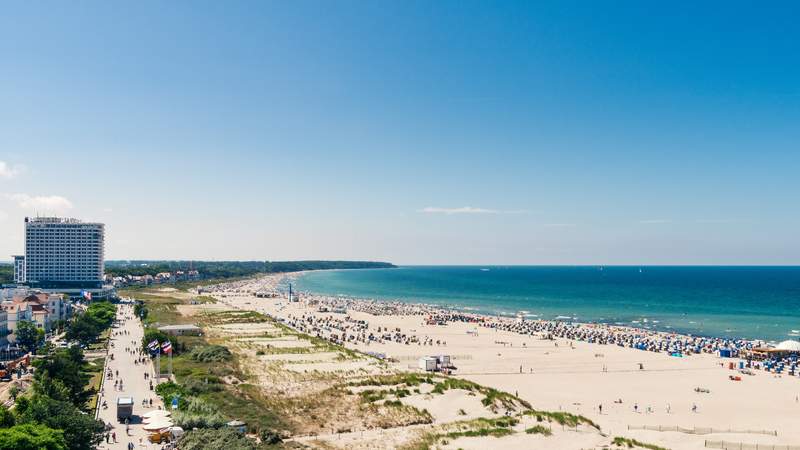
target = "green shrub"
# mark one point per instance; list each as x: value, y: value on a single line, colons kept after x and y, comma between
x: 198, y: 414
x: 269, y: 437
x: 563, y: 418
x: 167, y: 391
x: 539, y: 429
x: 631, y: 443
x: 153, y: 334
x: 223, y: 438
x: 211, y: 353
x: 197, y: 386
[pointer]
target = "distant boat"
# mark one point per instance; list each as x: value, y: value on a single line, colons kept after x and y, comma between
x: 640, y: 270
x: 484, y: 270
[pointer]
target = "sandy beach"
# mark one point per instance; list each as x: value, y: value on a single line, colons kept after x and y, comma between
x: 634, y: 388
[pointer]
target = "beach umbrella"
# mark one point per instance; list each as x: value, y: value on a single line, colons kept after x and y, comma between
x: 156, y: 413
x: 158, y: 424
x: 789, y: 346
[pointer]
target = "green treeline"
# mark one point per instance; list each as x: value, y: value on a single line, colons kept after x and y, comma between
x: 51, y: 415
x: 86, y: 327
x: 229, y: 269
x: 6, y: 273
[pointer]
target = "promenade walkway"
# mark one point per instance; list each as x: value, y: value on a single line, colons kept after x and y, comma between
x: 125, y: 344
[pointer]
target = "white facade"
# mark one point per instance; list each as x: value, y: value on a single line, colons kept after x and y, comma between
x: 63, y: 253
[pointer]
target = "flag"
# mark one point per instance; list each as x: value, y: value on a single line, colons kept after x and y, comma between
x: 167, y: 347
x: 153, y: 345
x: 86, y: 294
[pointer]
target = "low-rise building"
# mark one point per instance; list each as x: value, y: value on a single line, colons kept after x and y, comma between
x: 42, y: 308
x: 14, y: 313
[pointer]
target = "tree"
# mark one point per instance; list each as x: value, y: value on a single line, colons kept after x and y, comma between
x: 64, y: 366
x: 81, y: 330
x: 13, y: 391
x: 48, y: 387
x: 7, y: 418
x: 80, y: 431
x: 140, y: 310
x: 28, y: 336
x: 31, y: 437
x: 153, y: 334
x: 86, y: 327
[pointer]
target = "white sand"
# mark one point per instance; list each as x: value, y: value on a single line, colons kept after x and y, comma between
x: 571, y: 379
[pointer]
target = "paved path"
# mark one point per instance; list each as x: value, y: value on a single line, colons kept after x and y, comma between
x: 126, y: 341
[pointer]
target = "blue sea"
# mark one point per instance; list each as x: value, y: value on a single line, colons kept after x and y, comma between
x: 745, y: 302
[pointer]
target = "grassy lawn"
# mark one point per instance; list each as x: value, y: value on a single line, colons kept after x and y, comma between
x: 94, y: 382
x: 95, y: 368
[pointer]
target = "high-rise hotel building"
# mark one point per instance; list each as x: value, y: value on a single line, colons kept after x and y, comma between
x: 61, y: 254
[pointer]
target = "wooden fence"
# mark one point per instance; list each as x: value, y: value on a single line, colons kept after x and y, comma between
x: 727, y: 445
x: 701, y: 430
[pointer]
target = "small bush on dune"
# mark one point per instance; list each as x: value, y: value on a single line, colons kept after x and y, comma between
x: 539, y: 429
x: 211, y: 353
x: 224, y: 438
x: 199, y: 414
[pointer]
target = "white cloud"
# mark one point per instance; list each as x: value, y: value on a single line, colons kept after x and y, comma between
x: 8, y: 171
x: 42, y: 203
x: 466, y: 210
x: 654, y: 221
x: 108, y: 210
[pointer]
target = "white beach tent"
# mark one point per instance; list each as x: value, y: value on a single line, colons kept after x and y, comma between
x: 156, y: 413
x: 158, y: 424
x: 789, y: 346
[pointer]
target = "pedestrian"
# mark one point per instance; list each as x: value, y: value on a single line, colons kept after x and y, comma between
x: 114, y: 436
x: 600, y: 408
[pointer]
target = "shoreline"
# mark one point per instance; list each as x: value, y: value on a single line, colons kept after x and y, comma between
x: 467, y: 310
x: 575, y: 369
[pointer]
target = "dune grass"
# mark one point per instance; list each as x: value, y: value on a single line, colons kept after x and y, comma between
x: 633, y: 443
x: 539, y: 429
x: 562, y: 418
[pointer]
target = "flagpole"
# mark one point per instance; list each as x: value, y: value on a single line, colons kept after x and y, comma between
x: 158, y: 366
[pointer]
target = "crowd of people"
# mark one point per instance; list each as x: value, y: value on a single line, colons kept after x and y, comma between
x: 341, y: 328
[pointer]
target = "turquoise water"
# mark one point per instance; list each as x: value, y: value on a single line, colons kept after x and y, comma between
x: 747, y: 302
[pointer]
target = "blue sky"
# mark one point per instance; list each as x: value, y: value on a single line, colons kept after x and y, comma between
x: 413, y: 132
